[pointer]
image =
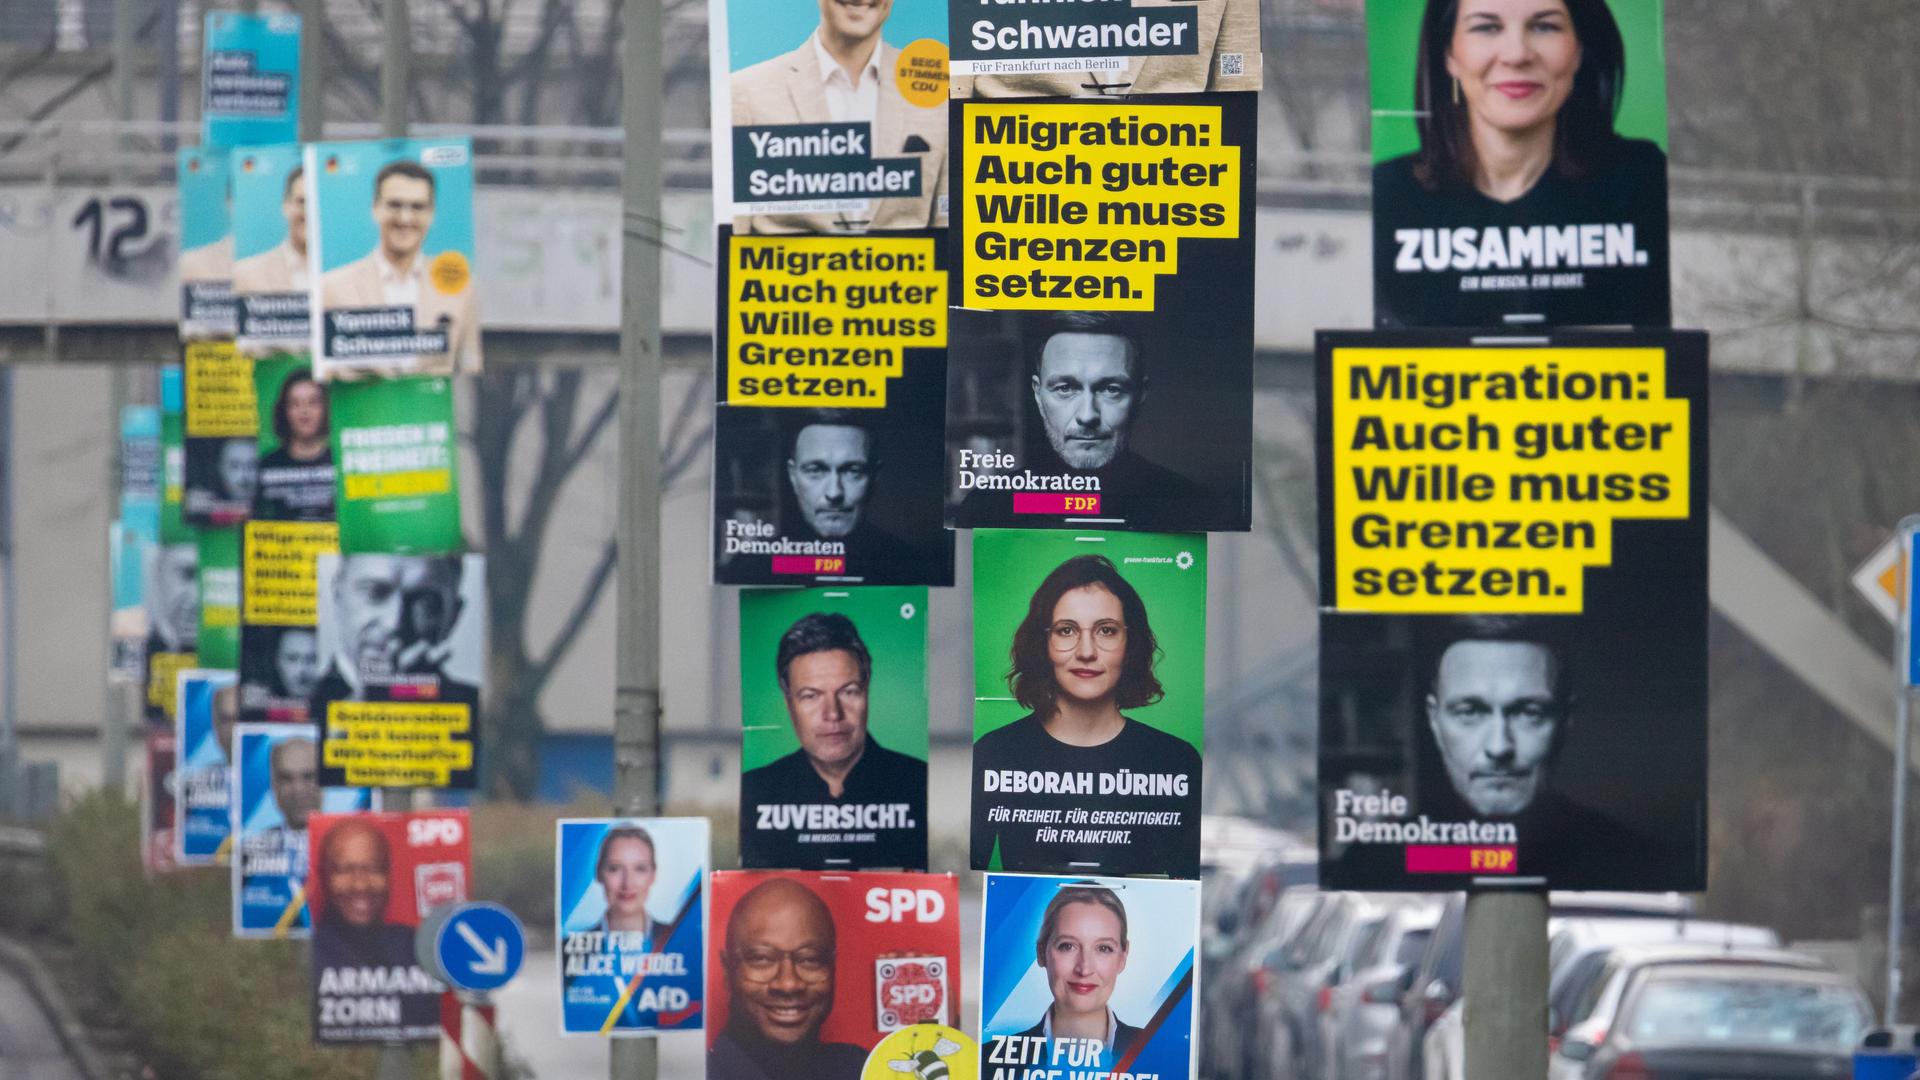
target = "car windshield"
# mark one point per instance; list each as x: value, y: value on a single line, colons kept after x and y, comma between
x: 1746, y: 1012
x: 1411, y: 946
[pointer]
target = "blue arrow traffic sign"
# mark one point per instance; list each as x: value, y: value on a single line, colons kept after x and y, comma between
x: 479, y: 947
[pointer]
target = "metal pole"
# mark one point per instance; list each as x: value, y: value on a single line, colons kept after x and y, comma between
x: 636, y: 703
x: 1505, y: 984
x: 113, y: 717
x: 313, y: 71
x: 1902, y: 756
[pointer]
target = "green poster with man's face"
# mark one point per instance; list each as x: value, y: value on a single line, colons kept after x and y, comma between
x: 219, y: 647
x: 1089, y: 701
x: 833, y: 758
x: 397, y: 488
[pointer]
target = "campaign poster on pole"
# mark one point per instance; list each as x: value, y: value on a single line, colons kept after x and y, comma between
x: 218, y: 643
x: 829, y: 119
x: 206, y: 245
x: 399, y: 701
x: 131, y: 537
x: 1089, y: 677
x: 1103, y: 253
x: 270, y: 248
x: 172, y: 585
x: 276, y: 790
x: 173, y: 456
x: 1090, y: 977
x: 295, y: 442
x: 390, y: 267
x: 249, y: 79
x: 127, y: 625
x: 1105, y: 50
x: 222, y: 461
x: 833, y: 358
x: 371, y: 879
x: 630, y: 919
x: 203, y: 731
x: 811, y: 970
x: 1513, y: 575
x: 280, y: 654
x: 833, y: 749
x: 396, y: 470
x: 156, y: 802
x: 1584, y: 242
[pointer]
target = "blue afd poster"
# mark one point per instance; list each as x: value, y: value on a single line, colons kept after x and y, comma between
x: 632, y: 917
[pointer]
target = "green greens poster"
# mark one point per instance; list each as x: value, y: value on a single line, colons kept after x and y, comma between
x: 1520, y: 164
x: 219, y: 639
x: 833, y: 753
x: 295, y: 444
x: 397, y: 479
x: 1089, y: 659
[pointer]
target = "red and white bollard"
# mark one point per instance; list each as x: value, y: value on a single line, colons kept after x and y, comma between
x: 469, y: 1043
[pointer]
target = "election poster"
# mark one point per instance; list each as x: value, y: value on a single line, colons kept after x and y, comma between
x: 833, y: 371
x: 630, y: 920
x: 222, y: 462
x: 1569, y: 228
x: 1088, y: 977
x: 812, y: 970
x: 270, y: 248
x: 203, y: 734
x: 1089, y: 682
x: 1513, y: 574
x: 833, y: 749
x: 399, y: 699
x: 390, y: 266
x: 280, y: 655
x: 1111, y: 50
x: 296, y: 479
x: 1103, y: 256
x: 371, y: 879
x: 829, y: 119
x: 276, y: 790
x: 173, y: 456
x: 249, y: 79
x: 396, y: 474
x: 127, y: 625
x: 206, y: 245
x: 132, y: 536
x: 217, y: 644
x: 171, y: 580
x: 156, y: 802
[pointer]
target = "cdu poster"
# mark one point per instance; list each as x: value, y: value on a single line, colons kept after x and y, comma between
x: 1089, y: 661
x: 276, y: 790
x: 630, y: 917
x: 1513, y: 542
x: 206, y: 245
x: 1111, y: 50
x: 833, y: 754
x: 270, y: 248
x: 249, y: 79
x: 1519, y: 186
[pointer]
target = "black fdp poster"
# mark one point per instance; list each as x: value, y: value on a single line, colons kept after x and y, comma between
x: 832, y: 369
x: 1101, y: 368
x: 1513, y: 543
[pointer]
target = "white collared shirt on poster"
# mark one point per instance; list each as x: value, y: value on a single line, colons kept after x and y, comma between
x: 401, y: 287
x: 847, y: 100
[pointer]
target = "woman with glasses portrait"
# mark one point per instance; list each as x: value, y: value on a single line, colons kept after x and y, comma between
x: 1077, y: 785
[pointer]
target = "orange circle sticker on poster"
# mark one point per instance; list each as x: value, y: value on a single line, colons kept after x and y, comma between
x: 921, y: 73
x: 924, y: 1052
x: 449, y: 272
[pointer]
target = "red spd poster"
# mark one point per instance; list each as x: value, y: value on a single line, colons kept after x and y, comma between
x: 810, y: 970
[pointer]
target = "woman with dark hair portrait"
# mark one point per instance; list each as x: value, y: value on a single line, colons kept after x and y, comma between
x: 1522, y: 199
x: 1082, y: 947
x: 1084, y: 652
x: 296, y: 480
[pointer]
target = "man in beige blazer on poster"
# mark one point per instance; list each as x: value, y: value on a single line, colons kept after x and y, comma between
x: 281, y: 268
x: 1228, y: 59
x: 394, y: 274
x: 845, y: 72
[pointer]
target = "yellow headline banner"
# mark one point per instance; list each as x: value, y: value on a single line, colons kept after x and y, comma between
x: 219, y: 392
x: 279, y: 563
x: 398, y: 743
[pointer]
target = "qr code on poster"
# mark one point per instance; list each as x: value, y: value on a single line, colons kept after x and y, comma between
x: 1233, y: 63
x: 910, y: 990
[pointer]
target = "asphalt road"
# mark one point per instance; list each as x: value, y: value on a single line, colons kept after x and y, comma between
x: 29, y: 1049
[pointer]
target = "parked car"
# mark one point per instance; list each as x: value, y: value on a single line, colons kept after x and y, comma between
x: 1248, y: 976
x: 1288, y: 1045
x: 1364, y: 1007
x: 1731, y: 1021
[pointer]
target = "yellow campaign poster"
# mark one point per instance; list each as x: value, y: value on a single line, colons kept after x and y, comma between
x: 279, y: 562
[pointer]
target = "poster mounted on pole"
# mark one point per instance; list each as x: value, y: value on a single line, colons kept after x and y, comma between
x: 171, y: 581
x: 1089, y: 680
x: 280, y: 654
x: 218, y: 643
x: 222, y: 462
x: 1513, y: 540
x: 390, y: 267
x: 203, y: 731
x: 1574, y: 237
x: 868, y: 954
x: 630, y: 919
x: 276, y: 790
x: 132, y: 537
x: 295, y: 442
x: 396, y: 473
x: 206, y: 245
x: 270, y: 248
x: 156, y: 802
x: 1137, y: 49
x: 833, y: 756
x: 249, y: 79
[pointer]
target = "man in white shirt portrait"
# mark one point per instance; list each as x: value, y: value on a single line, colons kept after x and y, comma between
x: 283, y: 267
x: 845, y: 73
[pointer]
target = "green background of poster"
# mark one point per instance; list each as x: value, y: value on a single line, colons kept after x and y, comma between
x: 897, y: 697
x: 219, y: 644
x: 1393, y: 43
x: 173, y: 457
x: 268, y: 373
x: 405, y: 524
x: 1009, y: 564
